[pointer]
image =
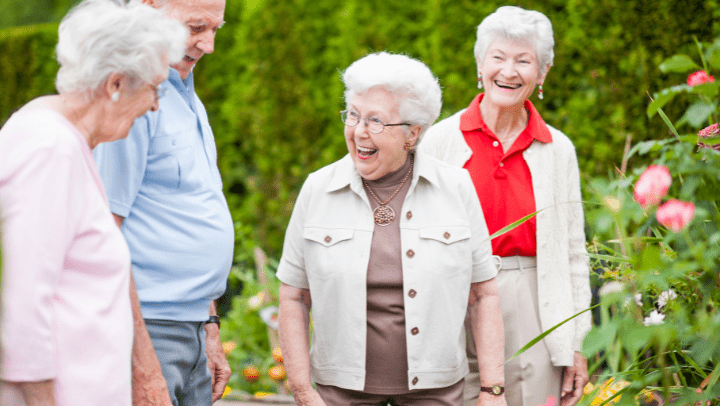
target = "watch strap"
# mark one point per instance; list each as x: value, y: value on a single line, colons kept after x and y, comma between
x: 214, y: 319
x: 496, y: 390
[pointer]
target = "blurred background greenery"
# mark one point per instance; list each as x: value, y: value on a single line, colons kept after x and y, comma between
x: 273, y: 88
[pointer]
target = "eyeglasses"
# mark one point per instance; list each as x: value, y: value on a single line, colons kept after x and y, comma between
x: 160, y: 91
x: 373, y: 124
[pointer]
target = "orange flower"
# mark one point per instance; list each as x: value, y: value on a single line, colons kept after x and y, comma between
x: 277, y: 355
x: 228, y: 346
x: 251, y: 374
x: 277, y: 372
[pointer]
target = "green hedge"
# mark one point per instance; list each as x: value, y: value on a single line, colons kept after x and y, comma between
x: 273, y: 88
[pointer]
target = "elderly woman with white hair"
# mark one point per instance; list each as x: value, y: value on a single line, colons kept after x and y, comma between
x: 520, y: 165
x: 390, y: 250
x: 67, y: 328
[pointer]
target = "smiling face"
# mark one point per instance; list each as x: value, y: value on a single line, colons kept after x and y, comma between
x: 376, y: 155
x: 202, y: 18
x: 510, y: 72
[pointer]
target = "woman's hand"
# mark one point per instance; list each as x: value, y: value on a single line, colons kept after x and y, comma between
x: 576, y: 377
x: 295, y: 304
x: 308, y: 397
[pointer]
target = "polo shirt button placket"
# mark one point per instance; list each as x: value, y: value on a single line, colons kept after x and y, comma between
x: 495, y: 143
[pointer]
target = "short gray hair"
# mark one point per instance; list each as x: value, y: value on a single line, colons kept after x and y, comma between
x: 517, y: 24
x: 101, y: 37
x: 413, y: 85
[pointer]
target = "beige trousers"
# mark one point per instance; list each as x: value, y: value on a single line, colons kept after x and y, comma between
x: 531, y: 377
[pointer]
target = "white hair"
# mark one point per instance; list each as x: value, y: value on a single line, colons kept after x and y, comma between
x: 517, y: 24
x: 413, y: 85
x: 101, y: 37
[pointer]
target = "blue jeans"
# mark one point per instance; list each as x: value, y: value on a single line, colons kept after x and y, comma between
x: 180, y: 347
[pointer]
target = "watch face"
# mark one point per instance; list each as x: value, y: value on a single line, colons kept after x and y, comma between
x: 496, y: 390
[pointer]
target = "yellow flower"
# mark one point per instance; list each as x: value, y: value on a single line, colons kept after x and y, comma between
x: 608, y: 389
x: 263, y: 394
x: 588, y: 388
x: 228, y: 346
x: 226, y: 391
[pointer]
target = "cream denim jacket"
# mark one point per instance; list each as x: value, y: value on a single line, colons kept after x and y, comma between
x: 562, y: 260
x: 445, y: 248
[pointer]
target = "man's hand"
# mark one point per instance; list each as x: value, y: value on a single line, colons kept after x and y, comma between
x: 488, y: 399
x: 576, y: 377
x: 217, y: 363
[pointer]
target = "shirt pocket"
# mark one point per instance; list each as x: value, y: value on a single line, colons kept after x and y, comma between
x: 446, y: 250
x: 330, y: 251
x: 170, y: 161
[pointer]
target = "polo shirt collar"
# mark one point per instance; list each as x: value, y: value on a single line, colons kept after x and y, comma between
x: 187, y: 85
x: 471, y: 120
x: 346, y: 174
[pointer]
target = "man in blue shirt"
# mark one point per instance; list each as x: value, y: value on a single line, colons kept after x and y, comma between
x: 165, y: 191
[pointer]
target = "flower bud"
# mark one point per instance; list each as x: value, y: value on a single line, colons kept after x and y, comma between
x: 652, y: 186
x: 675, y: 214
x: 699, y: 78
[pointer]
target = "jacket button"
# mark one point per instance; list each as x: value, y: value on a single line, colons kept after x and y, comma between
x: 409, y: 215
x: 410, y: 253
x: 446, y: 235
x: 415, y: 331
x: 412, y: 293
x: 415, y: 380
x: 328, y: 239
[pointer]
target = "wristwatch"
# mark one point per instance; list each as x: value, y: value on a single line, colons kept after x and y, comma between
x: 214, y: 319
x: 496, y: 390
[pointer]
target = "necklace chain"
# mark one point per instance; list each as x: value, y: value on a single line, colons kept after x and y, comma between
x: 412, y: 161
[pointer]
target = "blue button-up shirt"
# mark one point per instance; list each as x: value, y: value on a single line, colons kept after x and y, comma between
x: 163, y: 178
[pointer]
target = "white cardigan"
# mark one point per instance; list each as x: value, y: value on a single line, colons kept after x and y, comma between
x: 563, y: 264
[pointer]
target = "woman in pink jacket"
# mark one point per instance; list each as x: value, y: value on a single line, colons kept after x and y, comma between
x: 67, y: 326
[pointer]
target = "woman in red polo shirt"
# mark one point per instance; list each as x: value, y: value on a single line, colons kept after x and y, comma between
x: 520, y: 165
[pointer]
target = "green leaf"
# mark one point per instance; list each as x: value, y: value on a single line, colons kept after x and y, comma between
x: 706, y: 89
x: 662, y: 97
x: 610, y: 258
x: 668, y: 123
x: 678, y: 63
x: 550, y: 330
x: 698, y: 113
x: 513, y: 225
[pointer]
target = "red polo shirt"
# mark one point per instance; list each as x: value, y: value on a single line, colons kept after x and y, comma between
x: 502, y: 179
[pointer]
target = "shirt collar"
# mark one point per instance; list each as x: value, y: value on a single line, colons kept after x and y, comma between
x: 187, y: 85
x: 471, y: 120
x: 347, y: 175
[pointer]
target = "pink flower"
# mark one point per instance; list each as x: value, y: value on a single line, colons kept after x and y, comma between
x: 675, y: 214
x: 652, y: 186
x: 550, y: 402
x: 709, y: 131
x: 699, y: 77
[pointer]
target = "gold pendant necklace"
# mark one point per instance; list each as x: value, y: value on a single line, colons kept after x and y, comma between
x: 384, y: 215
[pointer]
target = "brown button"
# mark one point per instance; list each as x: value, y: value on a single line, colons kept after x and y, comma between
x: 415, y: 381
x: 412, y: 293
x: 414, y: 331
x: 410, y: 253
x: 446, y: 235
x: 409, y: 215
x: 328, y: 239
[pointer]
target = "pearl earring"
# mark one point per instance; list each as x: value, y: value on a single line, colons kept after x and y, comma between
x: 115, y: 97
x: 480, y: 86
x: 540, y: 92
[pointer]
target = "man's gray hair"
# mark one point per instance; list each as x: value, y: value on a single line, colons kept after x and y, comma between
x: 413, y: 85
x: 101, y: 37
x: 517, y: 24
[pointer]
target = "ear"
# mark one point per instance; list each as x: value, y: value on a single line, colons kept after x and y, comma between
x: 414, y: 133
x: 114, y: 83
x: 151, y: 3
x: 479, y: 65
x: 541, y: 78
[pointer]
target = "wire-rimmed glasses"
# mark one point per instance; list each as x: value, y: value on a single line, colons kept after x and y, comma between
x: 373, y: 124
